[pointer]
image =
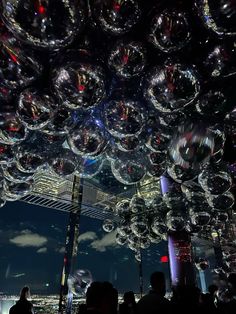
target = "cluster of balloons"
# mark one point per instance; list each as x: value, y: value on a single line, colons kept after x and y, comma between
x: 126, y: 81
x: 79, y: 281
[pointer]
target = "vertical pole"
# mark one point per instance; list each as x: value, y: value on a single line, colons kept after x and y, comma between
x: 141, y: 274
x: 71, y: 247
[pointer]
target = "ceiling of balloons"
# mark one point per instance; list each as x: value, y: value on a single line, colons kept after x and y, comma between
x: 146, y: 87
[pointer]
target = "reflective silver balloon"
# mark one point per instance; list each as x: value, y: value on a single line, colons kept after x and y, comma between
x: 128, y: 171
x: 127, y: 59
x: 144, y: 242
x: 139, y: 226
x: 159, y: 228
x: 157, y: 142
x: 87, y: 139
x: 192, y: 146
x: 137, y: 204
x: 108, y: 225
x: 28, y: 159
x: 14, y: 191
x: 79, y: 85
x: 222, y: 201
x: 213, y: 101
x: 124, y: 228
x: 12, y: 131
x: 35, y: 109
x: 138, y: 256
x: 121, y: 240
x: 6, y: 154
x: 133, y: 242
x: 44, y: 24
x: 172, y: 87
x: 122, y: 208
x: 218, y: 16
x: 202, y: 264
x: 129, y: 144
x: 118, y: 16
x: 153, y: 237
x: 13, y: 174
x: 79, y: 282
x: 199, y: 217
x: 88, y: 168
x: 220, y: 216
x: 215, y: 180
x: 170, y: 31
x: 175, y: 220
x: 180, y: 174
x: 2, y: 202
x: 124, y: 118
x: 64, y: 163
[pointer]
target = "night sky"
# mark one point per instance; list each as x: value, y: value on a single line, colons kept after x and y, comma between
x: 32, y: 245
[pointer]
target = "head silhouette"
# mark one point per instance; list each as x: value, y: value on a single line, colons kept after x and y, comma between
x: 158, y: 282
x: 25, y: 293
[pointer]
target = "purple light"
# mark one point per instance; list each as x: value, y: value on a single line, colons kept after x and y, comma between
x: 174, y: 269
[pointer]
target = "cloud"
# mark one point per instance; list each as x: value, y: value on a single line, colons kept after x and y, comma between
x: 108, y: 241
x: 42, y: 250
x: 87, y: 236
x: 18, y: 275
x: 60, y: 250
x: 29, y: 239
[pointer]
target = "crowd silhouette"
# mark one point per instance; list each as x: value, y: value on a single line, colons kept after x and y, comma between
x: 102, y: 298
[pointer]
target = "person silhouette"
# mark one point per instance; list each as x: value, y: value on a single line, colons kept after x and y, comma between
x: 23, y: 306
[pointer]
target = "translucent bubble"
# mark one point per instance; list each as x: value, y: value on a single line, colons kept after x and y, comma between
x: 175, y: 220
x: 153, y: 237
x: 144, y: 242
x: 118, y: 17
x: 28, y: 159
x: 170, y: 31
x: 192, y: 146
x: 219, y: 138
x: 221, y: 216
x: 6, y: 154
x: 213, y: 101
x: 87, y: 139
x: 199, y: 217
x: 156, y: 203
x: 13, y: 174
x: 129, y: 144
x: 122, y: 208
x: 218, y: 16
x: 173, y: 198
x: 124, y: 118
x: 202, y: 264
x: 193, y: 190
x: 12, y: 131
x: 155, y: 170
x: 137, y: 204
x: 121, y: 240
x: 172, y: 87
x: 157, y: 142
x: 230, y: 121
x: 139, y: 226
x: 124, y: 228
x: 64, y: 163
x: 215, y: 180
x: 159, y: 228
x: 14, y: 191
x: 222, y: 201
x: 43, y: 24
x: 79, y: 85
x: 88, y: 168
x: 79, y: 282
x: 108, y: 225
x: 34, y: 109
x: 127, y: 59
x: 18, y: 67
x: 180, y: 174
x: 128, y: 172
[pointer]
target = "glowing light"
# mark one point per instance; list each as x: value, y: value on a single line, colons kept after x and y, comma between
x: 164, y: 259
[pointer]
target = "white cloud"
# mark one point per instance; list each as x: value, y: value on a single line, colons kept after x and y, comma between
x: 60, y: 250
x: 108, y: 241
x: 29, y: 239
x: 42, y: 250
x: 87, y: 236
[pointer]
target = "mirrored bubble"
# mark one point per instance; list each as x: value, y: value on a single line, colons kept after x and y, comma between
x: 215, y: 180
x: 192, y: 146
x: 121, y: 240
x: 175, y: 220
x: 122, y: 208
x: 28, y: 159
x: 202, y: 264
x: 124, y: 118
x: 124, y: 228
x: 13, y: 174
x: 35, y: 109
x: 156, y: 203
x: 218, y: 16
x: 138, y: 256
x: 87, y: 139
x: 12, y: 131
x: 79, y: 85
x: 137, y: 204
x: 139, y: 226
x: 222, y: 201
x: 88, y: 168
x: 172, y: 87
x: 155, y: 170
x: 230, y: 121
x: 159, y: 227
x: 127, y: 59
x: 61, y: 123
x: 213, y: 102
x: 64, y: 163
x: 219, y: 138
x: 133, y: 242
x: 170, y: 31
x: 180, y: 174
x: 220, y: 216
x: 173, y: 198
x: 2, y: 202
x: 128, y: 171
x: 43, y: 24
x: 108, y: 225
x: 157, y: 142
x: 6, y: 154
x: 129, y: 144
x: 153, y: 237
x: 144, y: 242
x: 14, y: 191
x: 190, y: 189
x: 118, y: 17
x: 199, y: 217
x: 18, y: 68
x: 79, y: 282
